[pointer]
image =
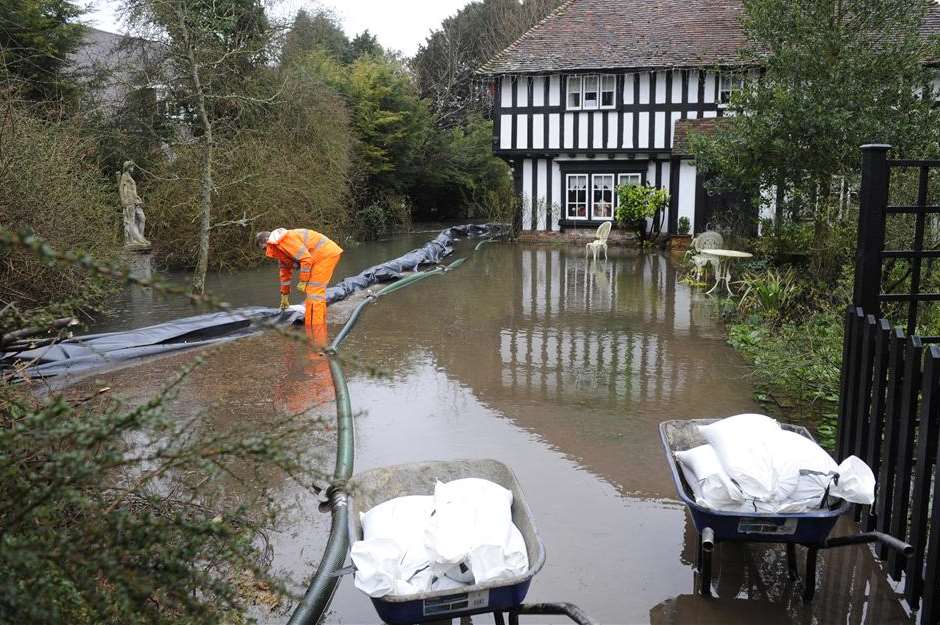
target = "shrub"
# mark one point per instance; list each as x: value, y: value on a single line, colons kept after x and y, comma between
x: 291, y: 170
x: 684, y: 225
x: 637, y: 204
x: 50, y: 183
x: 770, y: 293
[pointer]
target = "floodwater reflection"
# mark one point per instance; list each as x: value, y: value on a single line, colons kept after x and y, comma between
x: 562, y: 368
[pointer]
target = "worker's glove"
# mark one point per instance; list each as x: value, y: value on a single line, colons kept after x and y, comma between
x: 285, y: 301
x: 302, y: 287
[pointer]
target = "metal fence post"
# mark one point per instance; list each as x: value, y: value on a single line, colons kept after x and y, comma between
x: 873, y: 201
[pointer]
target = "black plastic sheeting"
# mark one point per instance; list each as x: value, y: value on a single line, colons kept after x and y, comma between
x: 95, y: 351
x: 431, y: 253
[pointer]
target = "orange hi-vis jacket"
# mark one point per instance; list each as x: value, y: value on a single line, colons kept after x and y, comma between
x: 300, y: 248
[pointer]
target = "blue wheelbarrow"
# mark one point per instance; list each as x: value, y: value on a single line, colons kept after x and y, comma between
x: 497, y: 597
x: 809, y: 529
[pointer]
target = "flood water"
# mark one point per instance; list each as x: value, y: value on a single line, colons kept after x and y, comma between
x: 562, y: 369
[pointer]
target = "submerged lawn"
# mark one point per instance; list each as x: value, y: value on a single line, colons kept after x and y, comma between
x: 796, y: 368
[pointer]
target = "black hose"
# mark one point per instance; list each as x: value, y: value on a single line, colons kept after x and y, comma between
x: 325, y: 580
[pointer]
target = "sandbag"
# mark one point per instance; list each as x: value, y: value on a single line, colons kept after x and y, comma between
x: 391, y: 558
x: 744, y: 445
x: 461, y: 535
x: 710, y: 484
x: 856, y: 482
x: 751, y: 464
x: 472, y: 525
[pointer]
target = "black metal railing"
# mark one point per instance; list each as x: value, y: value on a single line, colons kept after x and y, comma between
x: 890, y: 418
x: 889, y: 410
x: 874, y: 209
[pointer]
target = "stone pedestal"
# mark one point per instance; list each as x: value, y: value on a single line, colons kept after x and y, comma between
x: 139, y: 261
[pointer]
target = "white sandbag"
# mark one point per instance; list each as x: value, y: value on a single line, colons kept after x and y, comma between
x: 744, y: 445
x: 710, y: 484
x: 402, y: 519
x: 804, y: 471
x: 856, y: 482
x: 391, y: 558
x: 472, y: 524
x: 384, y: 568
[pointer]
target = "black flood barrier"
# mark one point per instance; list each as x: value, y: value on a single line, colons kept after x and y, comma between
x: 95, y: 351
x: 431, y: 253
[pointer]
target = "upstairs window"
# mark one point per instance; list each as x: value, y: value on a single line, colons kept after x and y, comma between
x: 574, y: 92
x: 728, y: 84
x: 592, y: 92
x: 608, y: 89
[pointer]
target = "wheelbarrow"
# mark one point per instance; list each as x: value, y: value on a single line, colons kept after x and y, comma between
x: 502, y: 597
x: 809, y: 529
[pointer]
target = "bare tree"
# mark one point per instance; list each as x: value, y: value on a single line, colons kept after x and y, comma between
x: 211, y: 49
x: 447, y: 62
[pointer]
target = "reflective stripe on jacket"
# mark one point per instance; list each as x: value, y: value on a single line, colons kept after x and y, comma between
x: 300, y: 248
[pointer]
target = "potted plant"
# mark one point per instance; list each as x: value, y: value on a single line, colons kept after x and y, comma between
x: 637, y: 204
x: 680, y: 242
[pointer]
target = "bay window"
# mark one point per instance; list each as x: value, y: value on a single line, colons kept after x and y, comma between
x: 593, y: 197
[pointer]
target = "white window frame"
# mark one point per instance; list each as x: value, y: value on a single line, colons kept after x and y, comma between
x: 587, y: 197
x: 591, y: 85
x: 605, y: 81
x: 637, y: 175
x: 569, y: 83
x: 728, y: 83
x: 603, y: 84
x: 613, y: 196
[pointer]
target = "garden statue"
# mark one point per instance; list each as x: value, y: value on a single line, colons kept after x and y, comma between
x: 134, y: 219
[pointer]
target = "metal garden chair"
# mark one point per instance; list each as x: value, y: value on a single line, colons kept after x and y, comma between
x: 600, y: 242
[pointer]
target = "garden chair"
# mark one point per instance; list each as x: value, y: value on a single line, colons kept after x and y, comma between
x: 600, y: 242
x: 708, y: 240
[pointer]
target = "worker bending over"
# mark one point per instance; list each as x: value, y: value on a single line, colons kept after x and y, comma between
x: 316, y: 257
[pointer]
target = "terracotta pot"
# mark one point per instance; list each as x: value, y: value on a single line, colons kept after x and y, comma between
x: 679, y: 242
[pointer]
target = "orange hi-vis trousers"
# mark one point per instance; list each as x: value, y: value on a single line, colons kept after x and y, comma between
x: 315, y: 304
x: 316, y: 256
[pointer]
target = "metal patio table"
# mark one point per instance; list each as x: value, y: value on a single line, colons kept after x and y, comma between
x: 725, y: 259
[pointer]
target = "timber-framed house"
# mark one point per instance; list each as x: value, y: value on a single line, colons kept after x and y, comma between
x: 603, y: 93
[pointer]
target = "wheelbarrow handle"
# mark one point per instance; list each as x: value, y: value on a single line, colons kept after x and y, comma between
x: 570, y: 610
x: 871, y: 537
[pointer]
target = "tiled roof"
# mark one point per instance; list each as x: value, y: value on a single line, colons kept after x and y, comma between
x: 586, y: 35
x: 685, y: 128
x: 931, y: 25
x: 607, y: 34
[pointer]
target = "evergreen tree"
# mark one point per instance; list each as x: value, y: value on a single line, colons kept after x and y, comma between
x: 836, y: 74
x: 36, y: 37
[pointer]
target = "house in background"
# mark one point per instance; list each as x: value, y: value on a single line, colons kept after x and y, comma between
x: 606, y: 92
x: 117, y: 67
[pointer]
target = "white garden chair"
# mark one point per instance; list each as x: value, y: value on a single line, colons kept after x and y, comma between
x: 600, y: 242
x: 708, y: 240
